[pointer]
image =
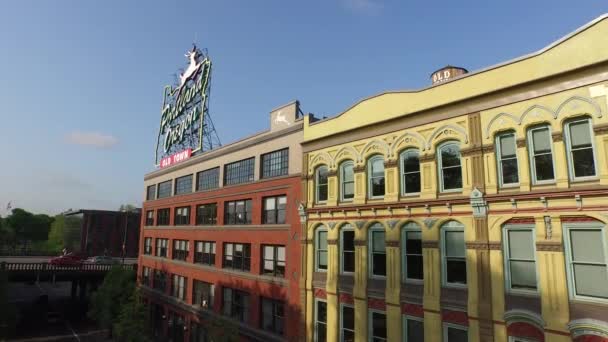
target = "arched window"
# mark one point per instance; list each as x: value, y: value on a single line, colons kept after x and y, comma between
x: 506, y: 158
x: 377, y: 250
x: 410, y: 171
x: 321, y: 249
x: 579, y: 142
x: 321, y: 184
x: 347, y: 249
x: 411, y: 250
x: 453, y: 256
x: 347, y: 181
x: 450, y: 171
x: 375, y: 176
x: 540, y: 148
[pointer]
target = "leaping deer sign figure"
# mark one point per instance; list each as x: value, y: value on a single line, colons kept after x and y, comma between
x: 281, y: 118
x: 191, y: 70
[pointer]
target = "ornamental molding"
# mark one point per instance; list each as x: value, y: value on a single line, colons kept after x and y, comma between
x: 359, y: 168
x: 600, y: 129
x: 331, y: 225
x: 471, y: 151
x: 392, y: 223
x: 448, y: 130
x: 588, y: 326
x: 392, y: 243
x: 391, y: 163
x: 521, y: 142
x: 557, y: 136
x: 358, y: 242
x: 426, y: 158
x: 332, y: 241
x: 487, y: 149
x: 549, y: 246
x: 524, y: 316
x: 359, y: 224
x: 430, y: 221
x: 332, y: 173
x: 430, y: 244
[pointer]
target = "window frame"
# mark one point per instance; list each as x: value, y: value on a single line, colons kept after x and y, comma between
x: 342, y: 182
x: 200, y: 219
x: 177, y: 186
x: 151, y: 196
x: 569, y: 157
x: 318, y: 184
x: 275, y: 261
x: 158, y: 215
x: 284, y: 164
x: 402, y: 172
x: 246, y: 305
x: 177, y: 219
x: 158, y: 248
x: 203, y: 244
x: 243, y: 257
x: 318, y: 230
x: 370, y: 177
x: 440, y: 166
x: 177, y: 253
x: 274, y: 303
x: 248, y: 214
x: 409, y: 227
x: 149, y: 220
x: 506, y: 257
x: 447, y: 326
x: 499, y: 159
x: 211, y: 298
x: 370, y: 323
x: 276, y: 211
x: 375, y: 227
x: 241, y: 168
x: 316, y: 318
x: 158, y: 193
x: 346, y: 228
x: 341, y: 316
x: 148, y: 251
x: 447, y: 227
x: 182, y: 287
x: 404, y: 319
x: 201, y: 174
x: 531, y: 155
x: 567, y: 227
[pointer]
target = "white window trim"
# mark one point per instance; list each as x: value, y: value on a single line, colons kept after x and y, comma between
x: 404, y: 320
x: 454, y: 326
x: 567, y: 227
x: 507, y: 269
x: 317, y: 184
x: 440, y: 166
x: 451, y: 226
x: 370, y: 162
x: 402, y: 171
x: 370, y: 323
x: 316, y: 312
x: 530, y: 143
x: 376, y: 227
x: 341, y: 180
x: 316, y: 249
x: 499, y: 160
x: 346, y: 227
x: 409, y: 227
x: 342, y: 305
x: 569, y: 150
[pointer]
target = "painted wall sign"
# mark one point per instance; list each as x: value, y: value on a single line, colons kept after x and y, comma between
x: 183, y: 110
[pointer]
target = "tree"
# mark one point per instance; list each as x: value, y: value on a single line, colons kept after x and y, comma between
x: 7, y: 312
x: 115, y: 291
x: 133, y: 321
x: 127, y: 207
x: 56, y: 241
x: 221, y: 329
x: 27, y: 226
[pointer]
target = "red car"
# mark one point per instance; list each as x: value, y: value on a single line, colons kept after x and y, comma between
x: 67, y: 260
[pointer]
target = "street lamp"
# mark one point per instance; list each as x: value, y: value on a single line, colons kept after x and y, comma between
x: 127, y: 211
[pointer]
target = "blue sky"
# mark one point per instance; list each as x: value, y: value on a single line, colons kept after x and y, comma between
x: 81, y: 81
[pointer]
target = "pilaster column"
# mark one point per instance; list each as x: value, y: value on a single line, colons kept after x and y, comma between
x: 480, y: 293
x: 360, y: 286
x: 432, y: 285
x: 428, y: 176
x: 393, y: 284
x: 523, y: 163
x: 332, y: 188
x: 491, y: 178
x: 331, y: 284
x: 601, y: 143
x: 360, y: 184
x: 391, y: 175
x: 559, y: 150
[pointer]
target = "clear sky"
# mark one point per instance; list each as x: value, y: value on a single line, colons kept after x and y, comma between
x: 81, y: 81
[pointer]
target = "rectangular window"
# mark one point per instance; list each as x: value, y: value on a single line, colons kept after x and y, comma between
x: 161, y: 247
x: 151, y: 192
x: 237, y: 256
x: 347, y: 181
x: 273, y: 315
x: 455, y: 333
x: 347, y: 323
x: 182, y: 216
x: 348, y: 250
x: 587, y: 261
x: 375, y: 175
x: 239, y: 172
x: 274, y: 210
x: 413, y: 254
x: 206, y: 214
x: 160, y: 280
x: 237, y: 212
x: 235, y: 304
x: 273, y: 261
x: 520, y: 264
x: 321, y: 175
x: 162, y: 217
x: 164, y: 189
x: 321, y: 250
x: 208, y: 179
x: 181, y: 249
x: 320, y: 321
x: 148, y: 246
x: 581, y: 158
x: 540, y: 145
x: 377, y: 326
x: 145, y: 276
x: 454, y: 258
x: 202, y: 294
x: 183, y: 185
x: 275, y: 163
x: 178, y: 290
x: 507, y: 159
x: 205, y: 253
x: 413, y: 329
x: 150, y: 218
x: 378, y: 253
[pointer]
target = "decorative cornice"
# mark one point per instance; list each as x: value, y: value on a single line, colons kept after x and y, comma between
x: 426, y: 158
x: 549, y: 246
x: 557, y: 136
x: 487, y: 148
x: 359, y: 168
x: 471, y: 151
x: 430, y: 244
x: 589, y: 327
x: 600, y: 129
x: 521, y: 142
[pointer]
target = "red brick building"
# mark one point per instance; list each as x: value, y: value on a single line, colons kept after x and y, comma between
x: 221, y: 238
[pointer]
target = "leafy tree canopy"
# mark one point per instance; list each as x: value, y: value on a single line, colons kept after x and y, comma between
x: 28, y: 226
x: 127, y: 207
x: 114, y: 293
x: 133, y: 321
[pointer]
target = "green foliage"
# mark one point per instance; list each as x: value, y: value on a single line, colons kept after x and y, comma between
x: 222, y: 330
x: 127, y: 207
x: 114, y: 293
x: 133, y: 321
x: 55, y: 242
x: 7, y: 312
x: 27, y: 226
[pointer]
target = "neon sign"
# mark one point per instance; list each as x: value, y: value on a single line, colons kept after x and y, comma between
x: 183, y: 111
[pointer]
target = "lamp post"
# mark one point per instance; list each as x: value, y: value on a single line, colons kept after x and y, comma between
x: 127, y: 211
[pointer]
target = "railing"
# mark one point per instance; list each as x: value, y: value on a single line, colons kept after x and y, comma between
x: 46, y: 267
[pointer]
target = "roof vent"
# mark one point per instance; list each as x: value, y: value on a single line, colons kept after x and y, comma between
x: 447, y: 73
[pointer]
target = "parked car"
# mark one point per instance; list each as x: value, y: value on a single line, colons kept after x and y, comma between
x: 69, y: 259
x: 100, y: 259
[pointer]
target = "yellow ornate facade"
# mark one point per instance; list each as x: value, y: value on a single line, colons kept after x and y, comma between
x: 473, y: 209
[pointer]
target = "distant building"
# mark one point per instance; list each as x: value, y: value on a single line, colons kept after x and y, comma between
x: 103, y: 232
